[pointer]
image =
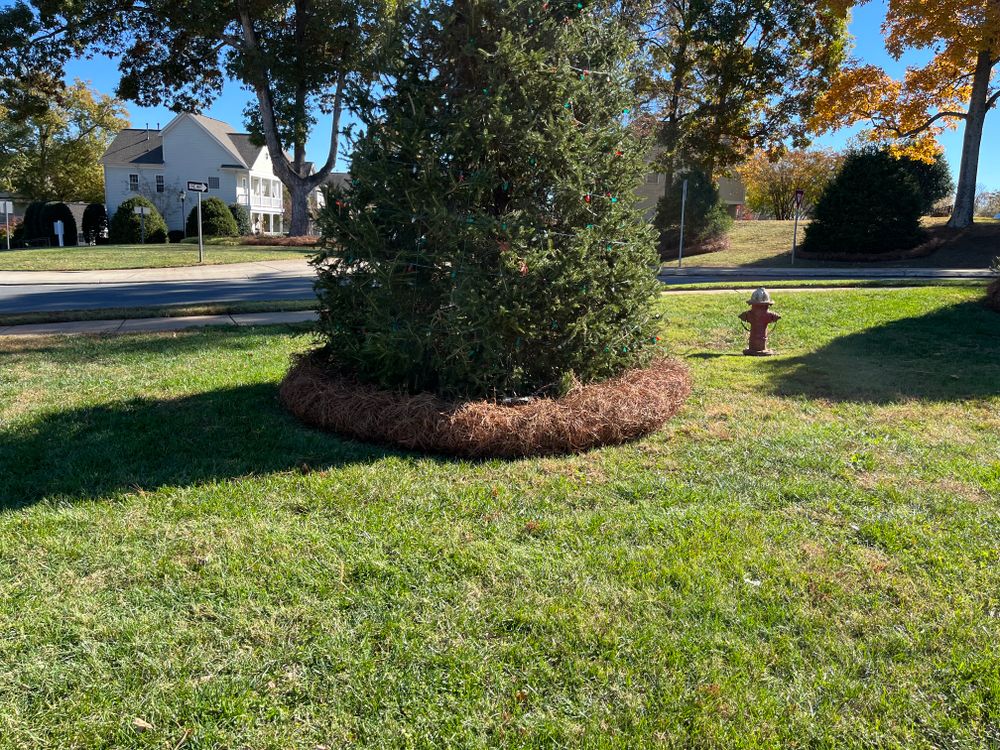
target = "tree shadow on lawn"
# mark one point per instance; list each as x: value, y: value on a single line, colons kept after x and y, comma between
x: 951, y: 354
x: 143, y: 443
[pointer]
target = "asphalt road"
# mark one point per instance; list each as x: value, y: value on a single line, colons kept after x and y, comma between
x: 22, y: 292
x: 86, y: 295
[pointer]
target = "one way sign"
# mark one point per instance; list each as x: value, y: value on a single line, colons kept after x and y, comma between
x: 197, y: 187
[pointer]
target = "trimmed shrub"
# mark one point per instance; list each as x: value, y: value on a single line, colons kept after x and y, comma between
x: 216, y: 220
x: 126, y: 226
x: 933, y: 180
x: 175, y: 235
x: 33, y: 227
x: 241, y: 214
x: 60, y: 212
x: 705, y: 217
x: 872, y: 206
x: 95, y: 224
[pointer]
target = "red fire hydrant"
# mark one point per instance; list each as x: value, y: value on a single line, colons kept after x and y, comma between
x: 759, y: 316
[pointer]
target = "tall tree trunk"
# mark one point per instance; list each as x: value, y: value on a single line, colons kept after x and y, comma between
x: 298, y: 194
x: 298, y: 185
x: 965, y: 196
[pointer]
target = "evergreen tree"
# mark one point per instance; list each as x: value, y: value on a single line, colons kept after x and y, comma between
x: 705, y: 217
x: 489, y: 243
x: 873, y: 205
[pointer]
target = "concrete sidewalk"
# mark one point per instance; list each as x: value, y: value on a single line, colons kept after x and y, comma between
x: 296, y: 268
x: 698, y: 274
x: 150, y: 325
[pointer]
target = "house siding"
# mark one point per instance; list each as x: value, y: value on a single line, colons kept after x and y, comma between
x: 190, y: 153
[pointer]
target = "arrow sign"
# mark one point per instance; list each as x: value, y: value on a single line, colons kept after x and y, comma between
x: 198, y: 187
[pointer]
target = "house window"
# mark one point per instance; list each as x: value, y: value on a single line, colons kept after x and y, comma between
x: 213, y: 183
x: 133, y: 183
x: 653, y: 178
x: 159, y: 183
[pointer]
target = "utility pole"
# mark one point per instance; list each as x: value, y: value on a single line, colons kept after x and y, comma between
x: 684, y: 198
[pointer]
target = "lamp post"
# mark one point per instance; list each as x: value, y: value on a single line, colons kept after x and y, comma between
x: 183, y: 197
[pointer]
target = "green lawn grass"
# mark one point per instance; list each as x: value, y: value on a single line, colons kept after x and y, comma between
x: 806, y: 557
x: 769, y: 244
x: 106, y: 257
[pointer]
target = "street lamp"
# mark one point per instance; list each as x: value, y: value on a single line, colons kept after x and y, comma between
x: 183, y: 197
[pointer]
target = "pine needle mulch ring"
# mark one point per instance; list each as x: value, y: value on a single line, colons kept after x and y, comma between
x: 632, y: 405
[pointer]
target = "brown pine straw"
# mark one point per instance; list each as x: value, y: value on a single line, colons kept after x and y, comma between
x: 612, y: 412
x: 993, y: 295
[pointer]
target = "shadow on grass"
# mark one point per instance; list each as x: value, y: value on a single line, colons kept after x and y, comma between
x: 951, y: 354
x: 147, y: 443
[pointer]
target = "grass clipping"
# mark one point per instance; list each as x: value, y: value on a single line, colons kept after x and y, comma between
x: 612, y: 412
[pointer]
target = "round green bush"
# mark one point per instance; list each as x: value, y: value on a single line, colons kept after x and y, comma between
x: 872, y: 206
x: 241, y: 214
x: 54, y: 212
x: 126, y: 227
x: 95, y: 223
x: 216, y: 220
x: 705, y: 216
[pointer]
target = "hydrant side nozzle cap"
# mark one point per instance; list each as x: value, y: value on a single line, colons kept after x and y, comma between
x: 760, y: 296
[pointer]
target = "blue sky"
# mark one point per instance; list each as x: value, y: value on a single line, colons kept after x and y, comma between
x: 869, y: 47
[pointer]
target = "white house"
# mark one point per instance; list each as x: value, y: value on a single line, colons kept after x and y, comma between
x: 158, y: 164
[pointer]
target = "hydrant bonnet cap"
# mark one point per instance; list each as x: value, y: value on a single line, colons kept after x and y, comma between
x: 760, y: 297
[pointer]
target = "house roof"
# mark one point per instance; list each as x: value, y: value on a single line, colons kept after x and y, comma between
x: 143, y: 146
x: 136, y: 146
x: 248, y: 152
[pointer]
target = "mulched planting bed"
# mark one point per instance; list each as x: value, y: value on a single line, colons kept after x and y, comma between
x: 615, y: 411
x: 939, y: 237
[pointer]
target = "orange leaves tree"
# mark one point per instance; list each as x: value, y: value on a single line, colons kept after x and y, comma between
x: 772, y: 179
x: 958, y: 85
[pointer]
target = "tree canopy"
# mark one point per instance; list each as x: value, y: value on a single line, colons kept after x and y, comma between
x: 955, y: 86
x: 771, y: 179
x: 733, y: 76
x: 52, y: 151
x: 296, y: 56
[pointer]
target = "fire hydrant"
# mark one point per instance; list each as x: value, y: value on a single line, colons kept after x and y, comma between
x: 759, y: 316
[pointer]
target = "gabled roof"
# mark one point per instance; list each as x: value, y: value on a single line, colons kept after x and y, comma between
x: 136, y: 146
x: 248, y: 152
x: 143, y: 146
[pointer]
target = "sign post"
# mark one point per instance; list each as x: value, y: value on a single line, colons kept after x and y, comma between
x: 684, y: 200
x: 199, y: 188
x: 8, y: 209
x: 142, y: 211
x: 799, y: 194
x: 58, y: 229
